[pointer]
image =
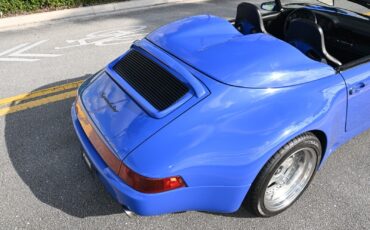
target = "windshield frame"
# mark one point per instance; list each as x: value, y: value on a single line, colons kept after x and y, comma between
x: 281, y: 6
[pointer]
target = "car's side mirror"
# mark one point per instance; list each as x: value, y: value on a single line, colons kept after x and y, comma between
x: 268, y: 6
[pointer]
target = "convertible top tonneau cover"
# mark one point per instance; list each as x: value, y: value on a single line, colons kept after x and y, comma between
x: 212, y: 45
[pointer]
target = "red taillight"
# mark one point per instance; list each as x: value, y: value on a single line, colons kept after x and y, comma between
x: 131, y: 178
x: 149, y: 185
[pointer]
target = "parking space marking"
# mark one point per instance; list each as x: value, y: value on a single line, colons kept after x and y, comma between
x: 18, y: 53
x: 13, y: 49
x: 114, y: 36
x: 42, y: 97
x: 109, y: 37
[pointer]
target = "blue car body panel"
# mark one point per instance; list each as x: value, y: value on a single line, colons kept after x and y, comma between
x: 236, y: 130
x: 213, y: 46
x: 189, y: 198
x: 242, y: 107
x: 358, y: 80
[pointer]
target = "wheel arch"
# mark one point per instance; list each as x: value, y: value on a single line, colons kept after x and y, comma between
x: 321, y: 135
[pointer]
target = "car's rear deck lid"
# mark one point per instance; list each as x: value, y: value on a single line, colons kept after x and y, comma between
x: 135, y: 96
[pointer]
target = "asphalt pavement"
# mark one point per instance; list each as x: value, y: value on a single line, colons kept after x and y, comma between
x: 44, y: 183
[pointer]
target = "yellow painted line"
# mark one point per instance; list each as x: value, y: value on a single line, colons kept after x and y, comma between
x: 36, y: 103
x: 40, y: 93
x: 368, y: 13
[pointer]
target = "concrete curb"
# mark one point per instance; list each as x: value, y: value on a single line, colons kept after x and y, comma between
x: 11, y: 22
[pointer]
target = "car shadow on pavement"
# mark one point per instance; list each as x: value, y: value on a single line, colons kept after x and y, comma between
x: 45, y: 152
x: 241, y: 213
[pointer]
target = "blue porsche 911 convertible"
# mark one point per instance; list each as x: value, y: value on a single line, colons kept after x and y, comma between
x: 208, y: 114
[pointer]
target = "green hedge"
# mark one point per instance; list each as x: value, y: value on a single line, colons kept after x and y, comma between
x: 11, y: 7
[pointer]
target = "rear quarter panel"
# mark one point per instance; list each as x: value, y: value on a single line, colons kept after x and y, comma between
x: 227, y: 138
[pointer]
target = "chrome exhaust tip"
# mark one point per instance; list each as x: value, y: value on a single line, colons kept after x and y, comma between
x: 128, y: 212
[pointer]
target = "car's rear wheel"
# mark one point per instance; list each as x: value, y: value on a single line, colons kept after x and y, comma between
x: 285, y: 176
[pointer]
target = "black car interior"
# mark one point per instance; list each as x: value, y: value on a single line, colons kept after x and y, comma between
x: 330, y: 37
x: 248, y: 19
x: 308, y: 37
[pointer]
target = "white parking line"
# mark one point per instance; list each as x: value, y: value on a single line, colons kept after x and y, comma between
x: 12, y: 49
x: 108, y: 37
x: 17, y: 53
x: 114, y: 36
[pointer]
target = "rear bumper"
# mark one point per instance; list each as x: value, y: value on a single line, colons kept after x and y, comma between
x: 213, y: 199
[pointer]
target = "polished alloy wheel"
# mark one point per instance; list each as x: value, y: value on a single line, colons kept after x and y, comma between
x: 290, y: 179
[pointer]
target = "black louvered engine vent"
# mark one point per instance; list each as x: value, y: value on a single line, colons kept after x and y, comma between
x: 159, y: 87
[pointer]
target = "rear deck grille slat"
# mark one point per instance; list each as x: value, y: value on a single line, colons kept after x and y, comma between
x: 159, y: 87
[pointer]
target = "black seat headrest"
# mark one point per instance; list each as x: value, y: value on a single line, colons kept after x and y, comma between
x: 249, y: 13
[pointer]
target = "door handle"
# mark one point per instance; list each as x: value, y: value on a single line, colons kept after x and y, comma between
x: 356, y: 88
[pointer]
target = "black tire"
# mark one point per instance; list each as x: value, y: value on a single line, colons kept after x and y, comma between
x: 256, y: 195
